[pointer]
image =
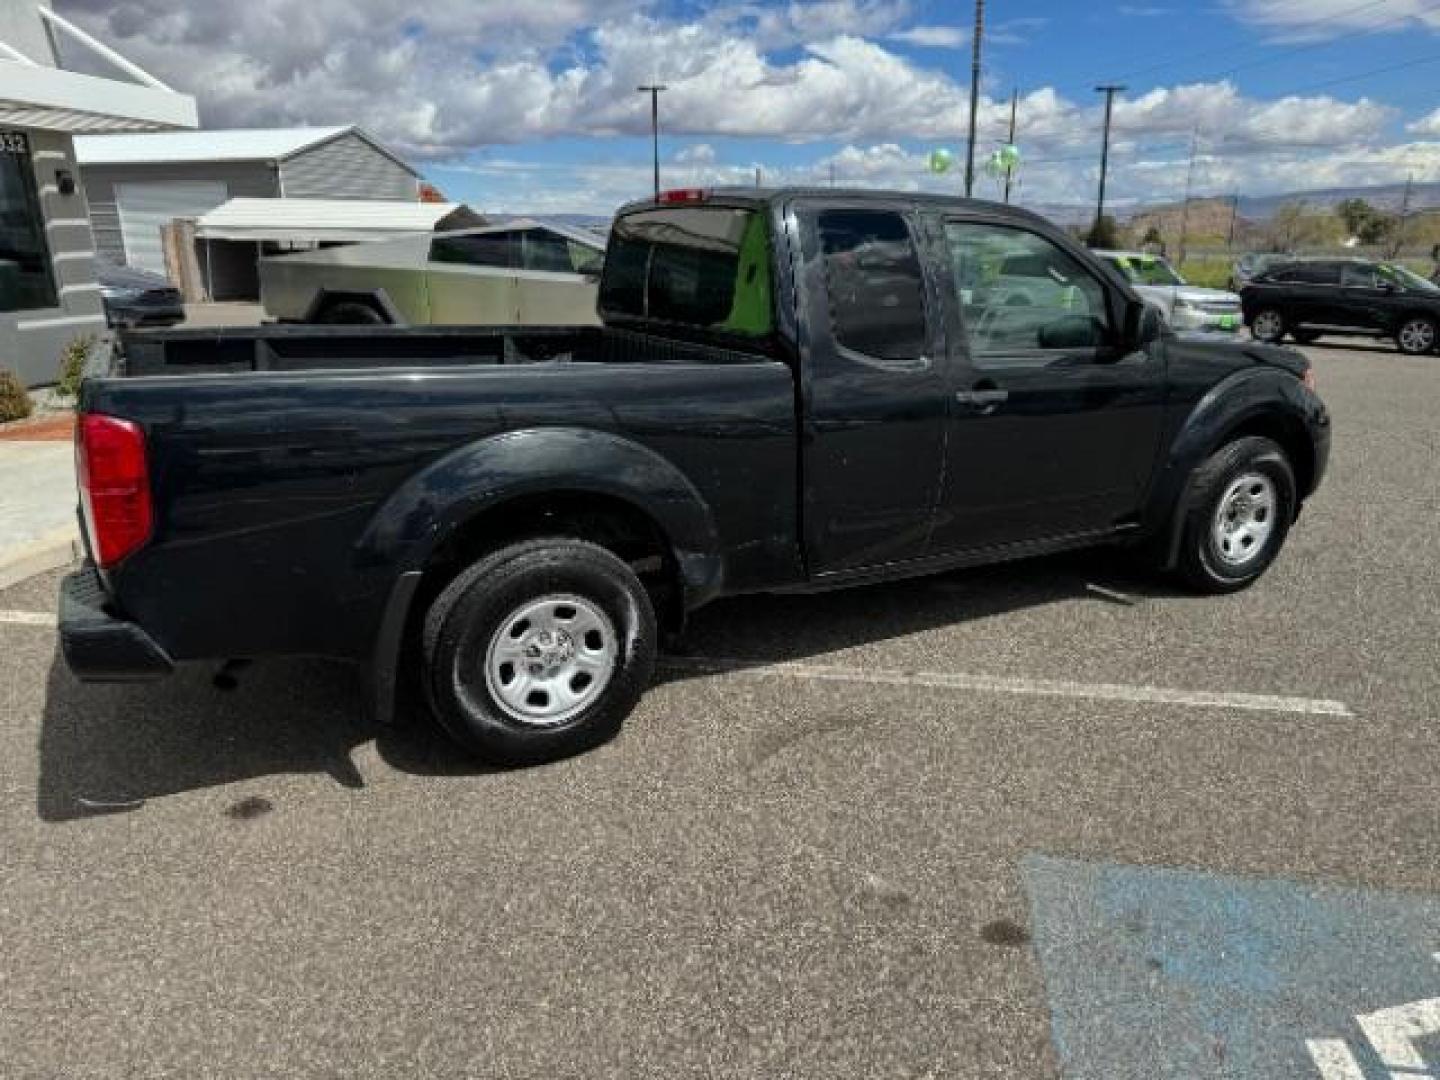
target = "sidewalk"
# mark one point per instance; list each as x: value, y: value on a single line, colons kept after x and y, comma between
x: 37, y: 505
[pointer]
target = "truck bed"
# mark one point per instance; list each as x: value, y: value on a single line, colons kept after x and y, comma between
x: 279, y: 348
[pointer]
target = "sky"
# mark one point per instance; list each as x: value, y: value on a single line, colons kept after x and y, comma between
x: 532, y: 106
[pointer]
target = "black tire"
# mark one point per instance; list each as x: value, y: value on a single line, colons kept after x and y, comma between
x: 1269, y: 317
x: 351, y: 313
x: 1305, y: 337
x: 465, y: 620
x: 1202, y: 564
x: 1417, y: 336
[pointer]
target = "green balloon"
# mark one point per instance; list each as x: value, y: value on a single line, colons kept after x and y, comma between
x: 941, y: 160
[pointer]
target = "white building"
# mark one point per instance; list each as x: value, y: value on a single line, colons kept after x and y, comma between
x: 48, y: 294
x: 137, y: 184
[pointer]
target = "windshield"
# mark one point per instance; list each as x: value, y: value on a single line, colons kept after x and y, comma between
x: 697, y: 266
x: 1406, y: 279
x: 1146, y: 270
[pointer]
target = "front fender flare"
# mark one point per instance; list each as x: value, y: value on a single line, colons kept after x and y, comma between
x: 1240, y: 399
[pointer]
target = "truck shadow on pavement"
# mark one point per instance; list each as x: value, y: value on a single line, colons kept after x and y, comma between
x: 109, y: 749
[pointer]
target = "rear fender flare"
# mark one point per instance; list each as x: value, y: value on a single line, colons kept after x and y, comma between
x: 428, y: 508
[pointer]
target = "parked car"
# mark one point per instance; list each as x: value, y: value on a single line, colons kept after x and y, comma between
x: 1185, y: 306
x: 516, y: 274
x: 1252, y: 264
x: 133, y: 297
x: 1344, y: 296
x: 791, y: 391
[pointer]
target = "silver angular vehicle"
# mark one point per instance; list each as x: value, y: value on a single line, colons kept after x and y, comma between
x: 519, y: 273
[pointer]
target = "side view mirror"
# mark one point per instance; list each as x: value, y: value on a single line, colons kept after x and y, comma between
x: 1389, y: 287
x: 1071, y: 332
x: 1144, y: 325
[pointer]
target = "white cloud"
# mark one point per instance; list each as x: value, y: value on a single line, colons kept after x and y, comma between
x: 696, y: 154
x: 1318, y: 20
x: 1426, y: 125
x: 933, y: 37
x: 782, y: 26
x: 444, y: 81
x: 1220, y: 113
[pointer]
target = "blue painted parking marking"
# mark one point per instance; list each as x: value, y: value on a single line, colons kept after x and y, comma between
x: 1157, y: 973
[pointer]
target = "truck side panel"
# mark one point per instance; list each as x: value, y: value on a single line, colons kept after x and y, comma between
x: 266, y: 484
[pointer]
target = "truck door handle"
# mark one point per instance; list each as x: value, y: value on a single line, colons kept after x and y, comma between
x: 984, y: 402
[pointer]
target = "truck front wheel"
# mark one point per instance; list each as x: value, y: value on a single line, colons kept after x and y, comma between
x: 538, y: 651
x: 1241, y: 504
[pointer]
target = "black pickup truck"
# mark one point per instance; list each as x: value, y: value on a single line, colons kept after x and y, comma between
x: 792, y: 390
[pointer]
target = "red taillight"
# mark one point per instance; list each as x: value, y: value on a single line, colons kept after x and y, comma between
x: 114, y: 485
x: 682, y: 195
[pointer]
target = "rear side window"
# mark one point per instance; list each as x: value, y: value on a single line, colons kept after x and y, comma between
x: 877, y: 289
x: 489, y: 249
x: 707, y: 267
x: 1309, y: 274
x: 1358, y: 276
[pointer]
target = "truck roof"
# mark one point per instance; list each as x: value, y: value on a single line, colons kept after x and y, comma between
x: 766, y: 196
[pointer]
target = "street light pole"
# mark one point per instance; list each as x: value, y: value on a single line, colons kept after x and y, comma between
x: 976, y: 46
x: 654, y: 90
x: 1109, y: 92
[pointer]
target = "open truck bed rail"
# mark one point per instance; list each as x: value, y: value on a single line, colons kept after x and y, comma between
x: 279, y: 348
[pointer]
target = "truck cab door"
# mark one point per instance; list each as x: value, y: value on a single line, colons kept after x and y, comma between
x: 1053, y: 427
x: 874, y: 399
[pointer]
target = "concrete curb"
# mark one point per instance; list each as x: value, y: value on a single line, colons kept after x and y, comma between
x: 53, y: 550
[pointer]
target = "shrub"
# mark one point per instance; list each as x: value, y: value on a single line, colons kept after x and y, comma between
x: 73, y: 359
x: 1104, y: 233
x: 14, y: 401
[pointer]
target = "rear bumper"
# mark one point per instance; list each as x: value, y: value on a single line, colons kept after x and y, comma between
x: 98, y: 646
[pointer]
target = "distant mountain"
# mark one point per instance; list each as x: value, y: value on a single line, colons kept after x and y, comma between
x: 1254, y: 208
x: 1389, y: 197
x: 594, y: 222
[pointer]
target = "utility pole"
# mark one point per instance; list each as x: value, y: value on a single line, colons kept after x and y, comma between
x: 757, y: 177
x: 654, y: 90
x: 1189, y: 186
x: 976, y: 46
x: 1014, y: 108
x: 1234, y: 215
x: 832, y: 174
x: 1109, y: 91
x: 1404, y: 216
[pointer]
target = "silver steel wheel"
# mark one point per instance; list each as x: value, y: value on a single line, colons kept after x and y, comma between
x: 549, y: 659
x: 1417, y: 336
x: 1245, y: 519
x: 1268, y: 326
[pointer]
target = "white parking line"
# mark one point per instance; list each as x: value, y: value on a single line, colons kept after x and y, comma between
x: 29, y: 618
x: 1151, y: 695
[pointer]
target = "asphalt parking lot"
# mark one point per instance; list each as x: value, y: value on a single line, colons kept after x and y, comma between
x: 1047, y: 819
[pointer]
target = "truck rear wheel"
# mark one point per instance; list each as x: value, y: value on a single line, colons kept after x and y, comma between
x: 1242, y: 501
x: 538, y: 651
x: 351, y: 313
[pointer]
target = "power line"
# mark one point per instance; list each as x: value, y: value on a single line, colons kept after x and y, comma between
x: 1231, y: 49
x: 1313, y: 45
x: 1363, y: 75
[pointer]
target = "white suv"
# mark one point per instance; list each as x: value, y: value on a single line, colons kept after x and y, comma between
x: 1185, y: 307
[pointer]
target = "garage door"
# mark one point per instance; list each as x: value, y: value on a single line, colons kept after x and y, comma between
x: 145, y: 209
